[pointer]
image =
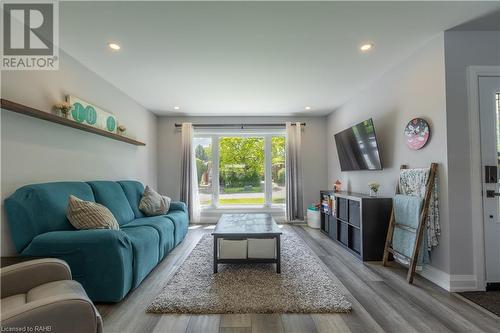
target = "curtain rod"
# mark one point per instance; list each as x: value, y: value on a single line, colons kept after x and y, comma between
x: 238, y: 125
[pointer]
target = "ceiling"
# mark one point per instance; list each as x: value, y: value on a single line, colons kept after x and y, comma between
x: 488, y: 22
x: 250, y: 58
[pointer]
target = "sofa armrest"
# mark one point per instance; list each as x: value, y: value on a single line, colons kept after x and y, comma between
x: 64, y: 313
x: 178, y: 205
x: 100, y: 259
x: 19, y: 278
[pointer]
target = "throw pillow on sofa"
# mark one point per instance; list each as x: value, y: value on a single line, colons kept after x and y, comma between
x: 152, y: 203
x: 90, y: 215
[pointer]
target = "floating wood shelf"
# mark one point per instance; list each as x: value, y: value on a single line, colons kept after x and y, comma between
x: 35, y: 113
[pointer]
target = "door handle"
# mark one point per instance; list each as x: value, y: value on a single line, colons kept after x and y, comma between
x: 492, y: 194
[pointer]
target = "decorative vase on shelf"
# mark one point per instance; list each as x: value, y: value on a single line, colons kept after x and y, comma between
x: 373, y: 193
x: 337, y: 186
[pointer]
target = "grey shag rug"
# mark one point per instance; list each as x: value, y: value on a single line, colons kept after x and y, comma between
x: 302, y: 287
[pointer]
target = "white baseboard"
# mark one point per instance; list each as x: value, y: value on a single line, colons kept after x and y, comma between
x: 451, y: 283
x: 436, y: 276
x: 460, y: 283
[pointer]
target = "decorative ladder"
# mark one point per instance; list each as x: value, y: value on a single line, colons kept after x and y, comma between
x: 420, y: 229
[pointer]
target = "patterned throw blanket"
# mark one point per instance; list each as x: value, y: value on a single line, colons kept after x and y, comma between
x: 407, y: 210
x: 413, y: 182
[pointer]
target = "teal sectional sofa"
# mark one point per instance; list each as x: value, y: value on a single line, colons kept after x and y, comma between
x: 108, y: 263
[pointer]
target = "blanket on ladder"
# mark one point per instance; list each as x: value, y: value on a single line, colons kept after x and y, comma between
x: 413, y: 182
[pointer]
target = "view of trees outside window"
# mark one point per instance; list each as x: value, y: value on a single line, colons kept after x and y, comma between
x: 241, y: 170
x: 278, y: 169
x: 203, y: 154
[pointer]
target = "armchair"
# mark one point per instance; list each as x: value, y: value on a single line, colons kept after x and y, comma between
x: 41, y: 294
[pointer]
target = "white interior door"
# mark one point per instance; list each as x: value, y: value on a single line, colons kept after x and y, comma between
x: 489, y: 104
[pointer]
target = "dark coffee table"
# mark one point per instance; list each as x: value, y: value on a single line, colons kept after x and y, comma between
x: 247, y: 228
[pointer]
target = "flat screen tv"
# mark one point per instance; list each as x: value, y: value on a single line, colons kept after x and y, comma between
x: 357, y: 147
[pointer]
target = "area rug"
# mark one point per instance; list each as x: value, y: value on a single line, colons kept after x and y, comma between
x: 302, y: 287
x: 490, y: 300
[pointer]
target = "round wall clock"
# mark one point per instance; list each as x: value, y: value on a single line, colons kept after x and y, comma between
x: 417, y: 133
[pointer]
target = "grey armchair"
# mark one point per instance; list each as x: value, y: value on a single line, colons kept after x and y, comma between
x: 41, y: 294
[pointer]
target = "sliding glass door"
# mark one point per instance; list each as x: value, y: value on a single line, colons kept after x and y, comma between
x: 250, y: 170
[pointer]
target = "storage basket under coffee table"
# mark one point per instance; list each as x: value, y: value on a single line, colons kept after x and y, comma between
x: 247, y: 238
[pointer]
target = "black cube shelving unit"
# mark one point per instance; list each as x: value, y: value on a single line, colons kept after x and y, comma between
x: 358, y: 222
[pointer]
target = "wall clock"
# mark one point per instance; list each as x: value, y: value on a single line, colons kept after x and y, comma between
x: 417, y: 133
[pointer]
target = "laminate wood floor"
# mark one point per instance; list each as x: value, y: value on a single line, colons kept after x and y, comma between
x: 382, y: 301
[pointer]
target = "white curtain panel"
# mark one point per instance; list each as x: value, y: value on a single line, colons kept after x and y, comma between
x: 294, y: 202
x: 189, y: 178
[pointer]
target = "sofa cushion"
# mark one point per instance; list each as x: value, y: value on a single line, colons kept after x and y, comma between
x: 153, y: 204
x: 133, y: 191
x: 90, y: 215
x: 39, y: 208
x: 145, y: 244
x: 165, y: 229
x: 181, y: 223
x: 111, y: 195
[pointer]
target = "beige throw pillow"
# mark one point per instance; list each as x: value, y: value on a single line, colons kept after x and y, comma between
x: 90, y: 215
x: 152, y: 203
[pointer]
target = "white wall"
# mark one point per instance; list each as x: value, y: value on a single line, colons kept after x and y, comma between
x: 414, y: 88
x: 313, y: 147
x: 35, y: 151
x: 463, y: 48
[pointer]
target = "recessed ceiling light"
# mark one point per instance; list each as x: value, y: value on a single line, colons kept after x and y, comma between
x: 366, y: 47
x: 307, y: 108
x: 114, y: 46
x: 177, y: 107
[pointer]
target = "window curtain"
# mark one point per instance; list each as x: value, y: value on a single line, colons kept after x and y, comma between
x: 189, y: 178
x: 293, y: 174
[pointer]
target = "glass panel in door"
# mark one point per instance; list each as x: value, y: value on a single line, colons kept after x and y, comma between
x: 489, y: 96
x: 497, y: 104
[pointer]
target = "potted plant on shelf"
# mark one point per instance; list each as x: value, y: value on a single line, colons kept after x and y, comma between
x: 63, y: 109
x: 374, y: 186
x: 121, y: 129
